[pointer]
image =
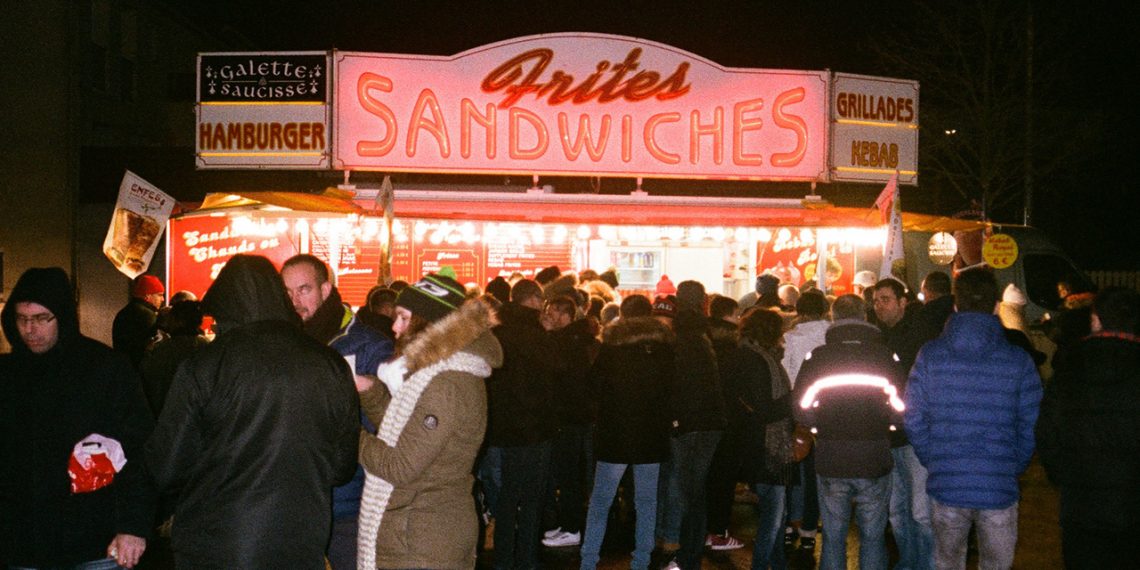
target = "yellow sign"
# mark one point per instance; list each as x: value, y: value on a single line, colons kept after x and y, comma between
x: 1000, y: 251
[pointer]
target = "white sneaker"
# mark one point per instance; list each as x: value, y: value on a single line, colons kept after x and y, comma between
x: 672, y: 565
x: 552, y: 533
x: 563, y: 539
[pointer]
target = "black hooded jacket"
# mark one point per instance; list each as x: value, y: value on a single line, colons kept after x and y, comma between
x: 48, y: 403
x: 256, y: 430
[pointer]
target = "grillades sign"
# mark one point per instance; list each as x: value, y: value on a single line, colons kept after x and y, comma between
x: 578, y: 104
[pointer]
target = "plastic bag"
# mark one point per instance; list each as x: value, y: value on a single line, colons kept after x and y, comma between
x: 94, y: 462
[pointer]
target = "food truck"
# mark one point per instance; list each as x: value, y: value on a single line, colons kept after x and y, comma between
x: 572, y: 104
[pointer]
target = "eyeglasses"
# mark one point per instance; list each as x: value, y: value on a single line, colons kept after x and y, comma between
x: 40, y: 319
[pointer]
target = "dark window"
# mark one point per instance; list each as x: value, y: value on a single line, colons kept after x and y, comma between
x: 1044, y: 272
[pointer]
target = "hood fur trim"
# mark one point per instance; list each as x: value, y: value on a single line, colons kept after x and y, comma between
x: 636, y: 330
x: 449, y: 335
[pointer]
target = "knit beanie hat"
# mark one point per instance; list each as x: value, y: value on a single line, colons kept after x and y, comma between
x: 146, y: 285
x: 1013, y: 295
x: 665, y: 286
x: 665, y: 306
x: 432, y: 297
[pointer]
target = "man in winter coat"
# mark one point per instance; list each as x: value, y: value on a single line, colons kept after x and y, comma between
x: 257, y: 428
x: 1089, y: 437
x: 972, y: 402
x: 135, y: 324
x: 847, y: 391
x: 523, y: 423
x: 899, y: 319
x: 327, y: 319
x: 576, y: 342
x: 631, y: 379
x: 59, y: 388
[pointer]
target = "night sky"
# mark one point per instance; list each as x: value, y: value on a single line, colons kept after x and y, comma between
x: 1091, y: 52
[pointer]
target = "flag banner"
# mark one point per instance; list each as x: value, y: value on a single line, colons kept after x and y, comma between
x: 141, y: 213
x: 384, y: 201
x: 893, y: 256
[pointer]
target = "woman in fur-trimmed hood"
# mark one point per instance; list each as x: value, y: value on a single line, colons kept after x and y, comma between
x: 431, y: 406
x: 631, y: 378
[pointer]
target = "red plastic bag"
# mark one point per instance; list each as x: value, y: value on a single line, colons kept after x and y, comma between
x: 94, y: 462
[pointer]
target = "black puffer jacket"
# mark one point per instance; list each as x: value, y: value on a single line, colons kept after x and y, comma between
x: 1088, y: 434
x: 577, y: 346
x: 520, y: 394
x: 696, y: 400
x: 257, y: 429
x: 631, y: 379
x: 48, y: 403
x: 853, y: 419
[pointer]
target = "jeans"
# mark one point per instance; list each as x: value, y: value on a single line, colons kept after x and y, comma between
x: 606, y: 479
x: 768, y: 548
x: 681, y: 507
x: 902, y: 523
x: 490, y: 475
x: 568, y: 458
x: 803, y: 499
x: 872, y: 505
x: 996, y: 530
x: 101, y: 564
x: 908, y: 471
x: 519, y: 508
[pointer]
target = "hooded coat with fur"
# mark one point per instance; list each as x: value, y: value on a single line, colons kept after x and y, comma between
x: 48, y: 403
x: 429, y: 520
x: 631, y: 378
x: 256, y: 430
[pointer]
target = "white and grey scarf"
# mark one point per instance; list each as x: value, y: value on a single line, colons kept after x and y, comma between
x: 377, y: 491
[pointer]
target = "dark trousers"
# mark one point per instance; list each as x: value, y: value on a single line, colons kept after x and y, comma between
x: 518, y: 511
x: 569, y: 458
x: 721, y: 484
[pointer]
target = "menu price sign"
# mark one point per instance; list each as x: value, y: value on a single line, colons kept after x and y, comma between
x: 356, y: 265
x: 528, y: 259
x: 465, y: 261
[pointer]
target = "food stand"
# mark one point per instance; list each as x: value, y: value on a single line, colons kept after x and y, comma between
x: 571, y: 104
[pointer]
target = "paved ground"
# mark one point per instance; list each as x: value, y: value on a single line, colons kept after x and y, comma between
x: 1039, y: 543
x: 1038, y: 547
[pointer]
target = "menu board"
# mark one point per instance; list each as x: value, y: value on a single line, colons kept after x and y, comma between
x: 200, y: 246
x: 477, y: 251
x: 355, y: 262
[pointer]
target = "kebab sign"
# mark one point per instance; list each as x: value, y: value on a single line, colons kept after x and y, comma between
x: 578, y: 104
x: 140, y: 214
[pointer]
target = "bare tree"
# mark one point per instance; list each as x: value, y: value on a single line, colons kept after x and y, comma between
x: 973, y: 59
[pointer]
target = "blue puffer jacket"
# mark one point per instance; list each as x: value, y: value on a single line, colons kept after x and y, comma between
x: 971, y: 406
x: 370, y: 349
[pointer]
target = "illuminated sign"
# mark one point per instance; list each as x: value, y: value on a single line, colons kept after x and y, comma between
x: 578, y: 104
x: 263, y: 110
x: 874, y: 130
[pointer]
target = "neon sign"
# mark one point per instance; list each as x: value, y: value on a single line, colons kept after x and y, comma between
x: 578, y: 104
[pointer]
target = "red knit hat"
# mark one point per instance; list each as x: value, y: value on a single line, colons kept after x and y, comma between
x: 146, y: 285
x: 665, y: 286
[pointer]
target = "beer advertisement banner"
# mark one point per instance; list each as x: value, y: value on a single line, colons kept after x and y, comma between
x: 140, y: 215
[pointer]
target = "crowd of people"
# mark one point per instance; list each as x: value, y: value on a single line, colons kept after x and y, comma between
x: 296, y: 432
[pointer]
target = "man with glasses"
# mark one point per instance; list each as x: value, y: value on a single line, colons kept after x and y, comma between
x: 63, y: 395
